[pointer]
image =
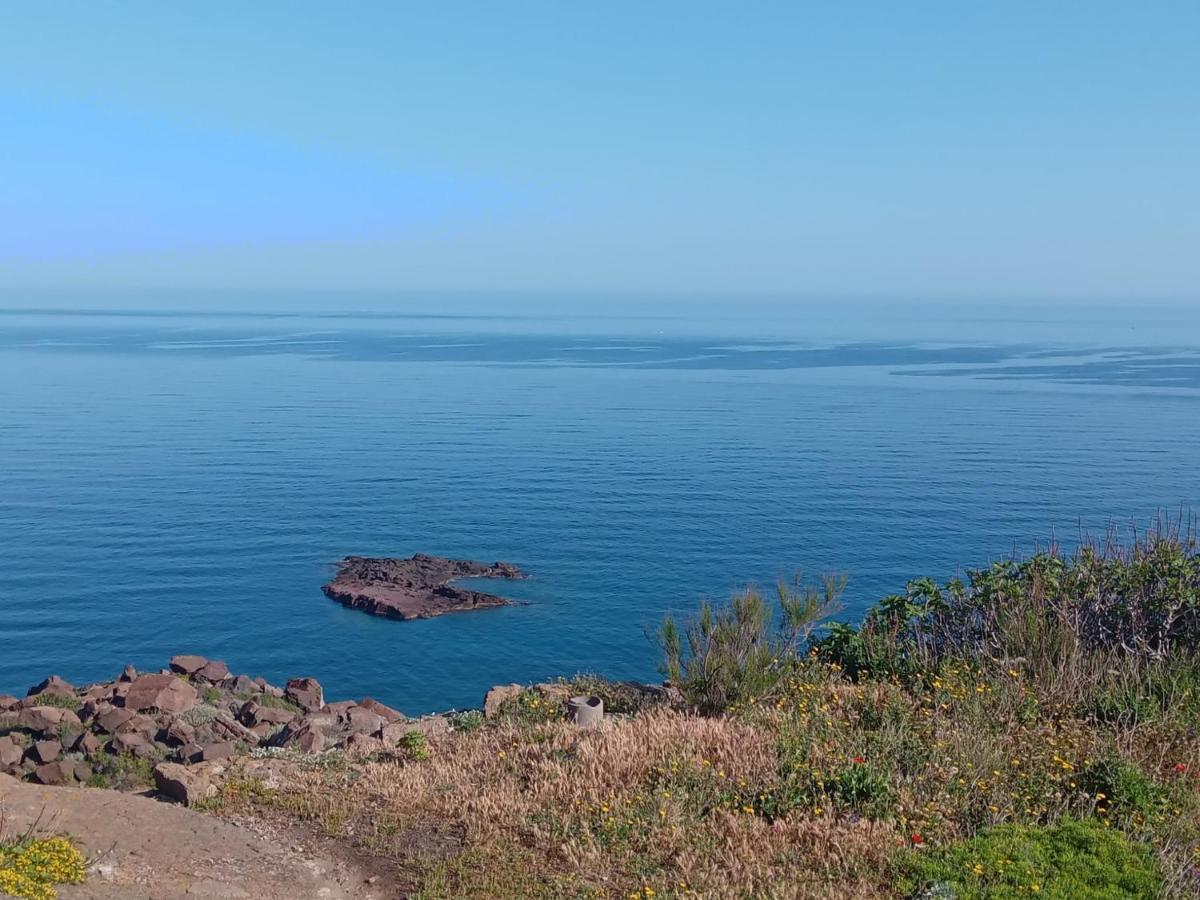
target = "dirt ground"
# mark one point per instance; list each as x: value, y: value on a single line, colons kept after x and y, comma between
x: 146, y: 849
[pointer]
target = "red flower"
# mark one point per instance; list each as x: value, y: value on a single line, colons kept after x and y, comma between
x: 1180, y: 768
x: 858, y: 759
x: 916, y: 838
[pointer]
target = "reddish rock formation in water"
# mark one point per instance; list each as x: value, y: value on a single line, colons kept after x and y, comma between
x: 415, y: 588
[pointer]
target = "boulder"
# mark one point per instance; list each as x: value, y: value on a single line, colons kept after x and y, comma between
x: 186, y: 786
x: 302, y: 735
x: 87, y: 744
x: 361, y: 720
x: 243, y: 684
x: 61, y: 772
x: 129, y: 673
x: 339, y: 709
x: 162, y: 692
x: 389, y: 714
x: 130, y: 742
x: 8, y: 701
x: 220, y: 750
x: 46, y: 719
x: 497, y: 697
x: 305, y: 693
x: 113, y: 718
x: 45, y: 751
x: 213, y: 672
x: 11, y: 752
x: 53, y: 685
x: 180, y: 732
x: 189, y: 753
x: 188, y: 665
x: 253, y: 714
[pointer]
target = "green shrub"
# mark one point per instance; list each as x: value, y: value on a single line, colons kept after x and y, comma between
x: 743, y: 651
x: 414, y: 745
x: 1121, y: 791
x: 124, y: 771
x: 1072, y: 860
x: 467, y: 720
x: 276, y: 702
x: 530, y: 707
x: 63, y: 702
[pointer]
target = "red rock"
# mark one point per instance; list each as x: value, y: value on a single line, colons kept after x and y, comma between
x: 163, y: 692
x: 87, y: 744
x: 220, y: 750
x: 188, y: 665
x: 213, y: 672
x: 180, y: 732
x: 113, y: 718
x: 305, y: 693
x: 8, y: 701
x: 45, y: 751
x: 129, y: 742
x: 185, y: 785
x: 129, y: 673
x: 11, y: 753
x: 53, y: 685
x: 415, y: 588
x: 362, y: 720
x: 46, y: 719
x: 495, y: 699
x: 252, y: 714
x: 389, y: 714
x: 61, y: 772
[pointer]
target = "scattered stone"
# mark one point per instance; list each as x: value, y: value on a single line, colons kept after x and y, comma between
x: 497, y: 697
x: 53, y: 685
x: 187, y: 786
x: 252, y: 714
x: 188, y: 665
x: 113, y: 718
x: 222, y: 750
x: 87, y: 744
x: 130, y: 742
x: 46, y: 719
x: 180, y: 732
x: 214, y: 672
x: 243, y: 684
x: 61, y: 772
x: 305, y: 693
x: 11, y: 752
x: 45, y: 751
x: 389, y: 714
x: 361, y: 720
x: 162, y: 692
x: 302, y: 735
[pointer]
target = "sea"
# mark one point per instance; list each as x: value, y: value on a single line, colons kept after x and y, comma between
x: 180, y: 472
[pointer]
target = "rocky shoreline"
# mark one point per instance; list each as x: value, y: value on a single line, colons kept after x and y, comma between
x: 415, y: 588
x: 174, y: 724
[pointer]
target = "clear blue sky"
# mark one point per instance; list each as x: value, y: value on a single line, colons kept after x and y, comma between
x: 943, y: 149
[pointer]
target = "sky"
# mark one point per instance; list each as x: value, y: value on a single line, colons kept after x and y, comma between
x: 951, y: 150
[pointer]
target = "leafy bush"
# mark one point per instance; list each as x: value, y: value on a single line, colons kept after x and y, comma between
x: 31, y: 867
x: 63, y: 702
x: 274, y: 702
x: 1072, y: 860
x: 530, y: 707
x: 414, y: 745
x: 123, y: 771
x: 467, y: 720
x: 1120, y: 790
x: 741, y: 652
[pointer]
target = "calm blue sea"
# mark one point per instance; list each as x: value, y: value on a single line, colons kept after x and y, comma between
x: 175, y: 480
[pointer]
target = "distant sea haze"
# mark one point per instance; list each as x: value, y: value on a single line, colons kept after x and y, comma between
x: 184, y: 482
